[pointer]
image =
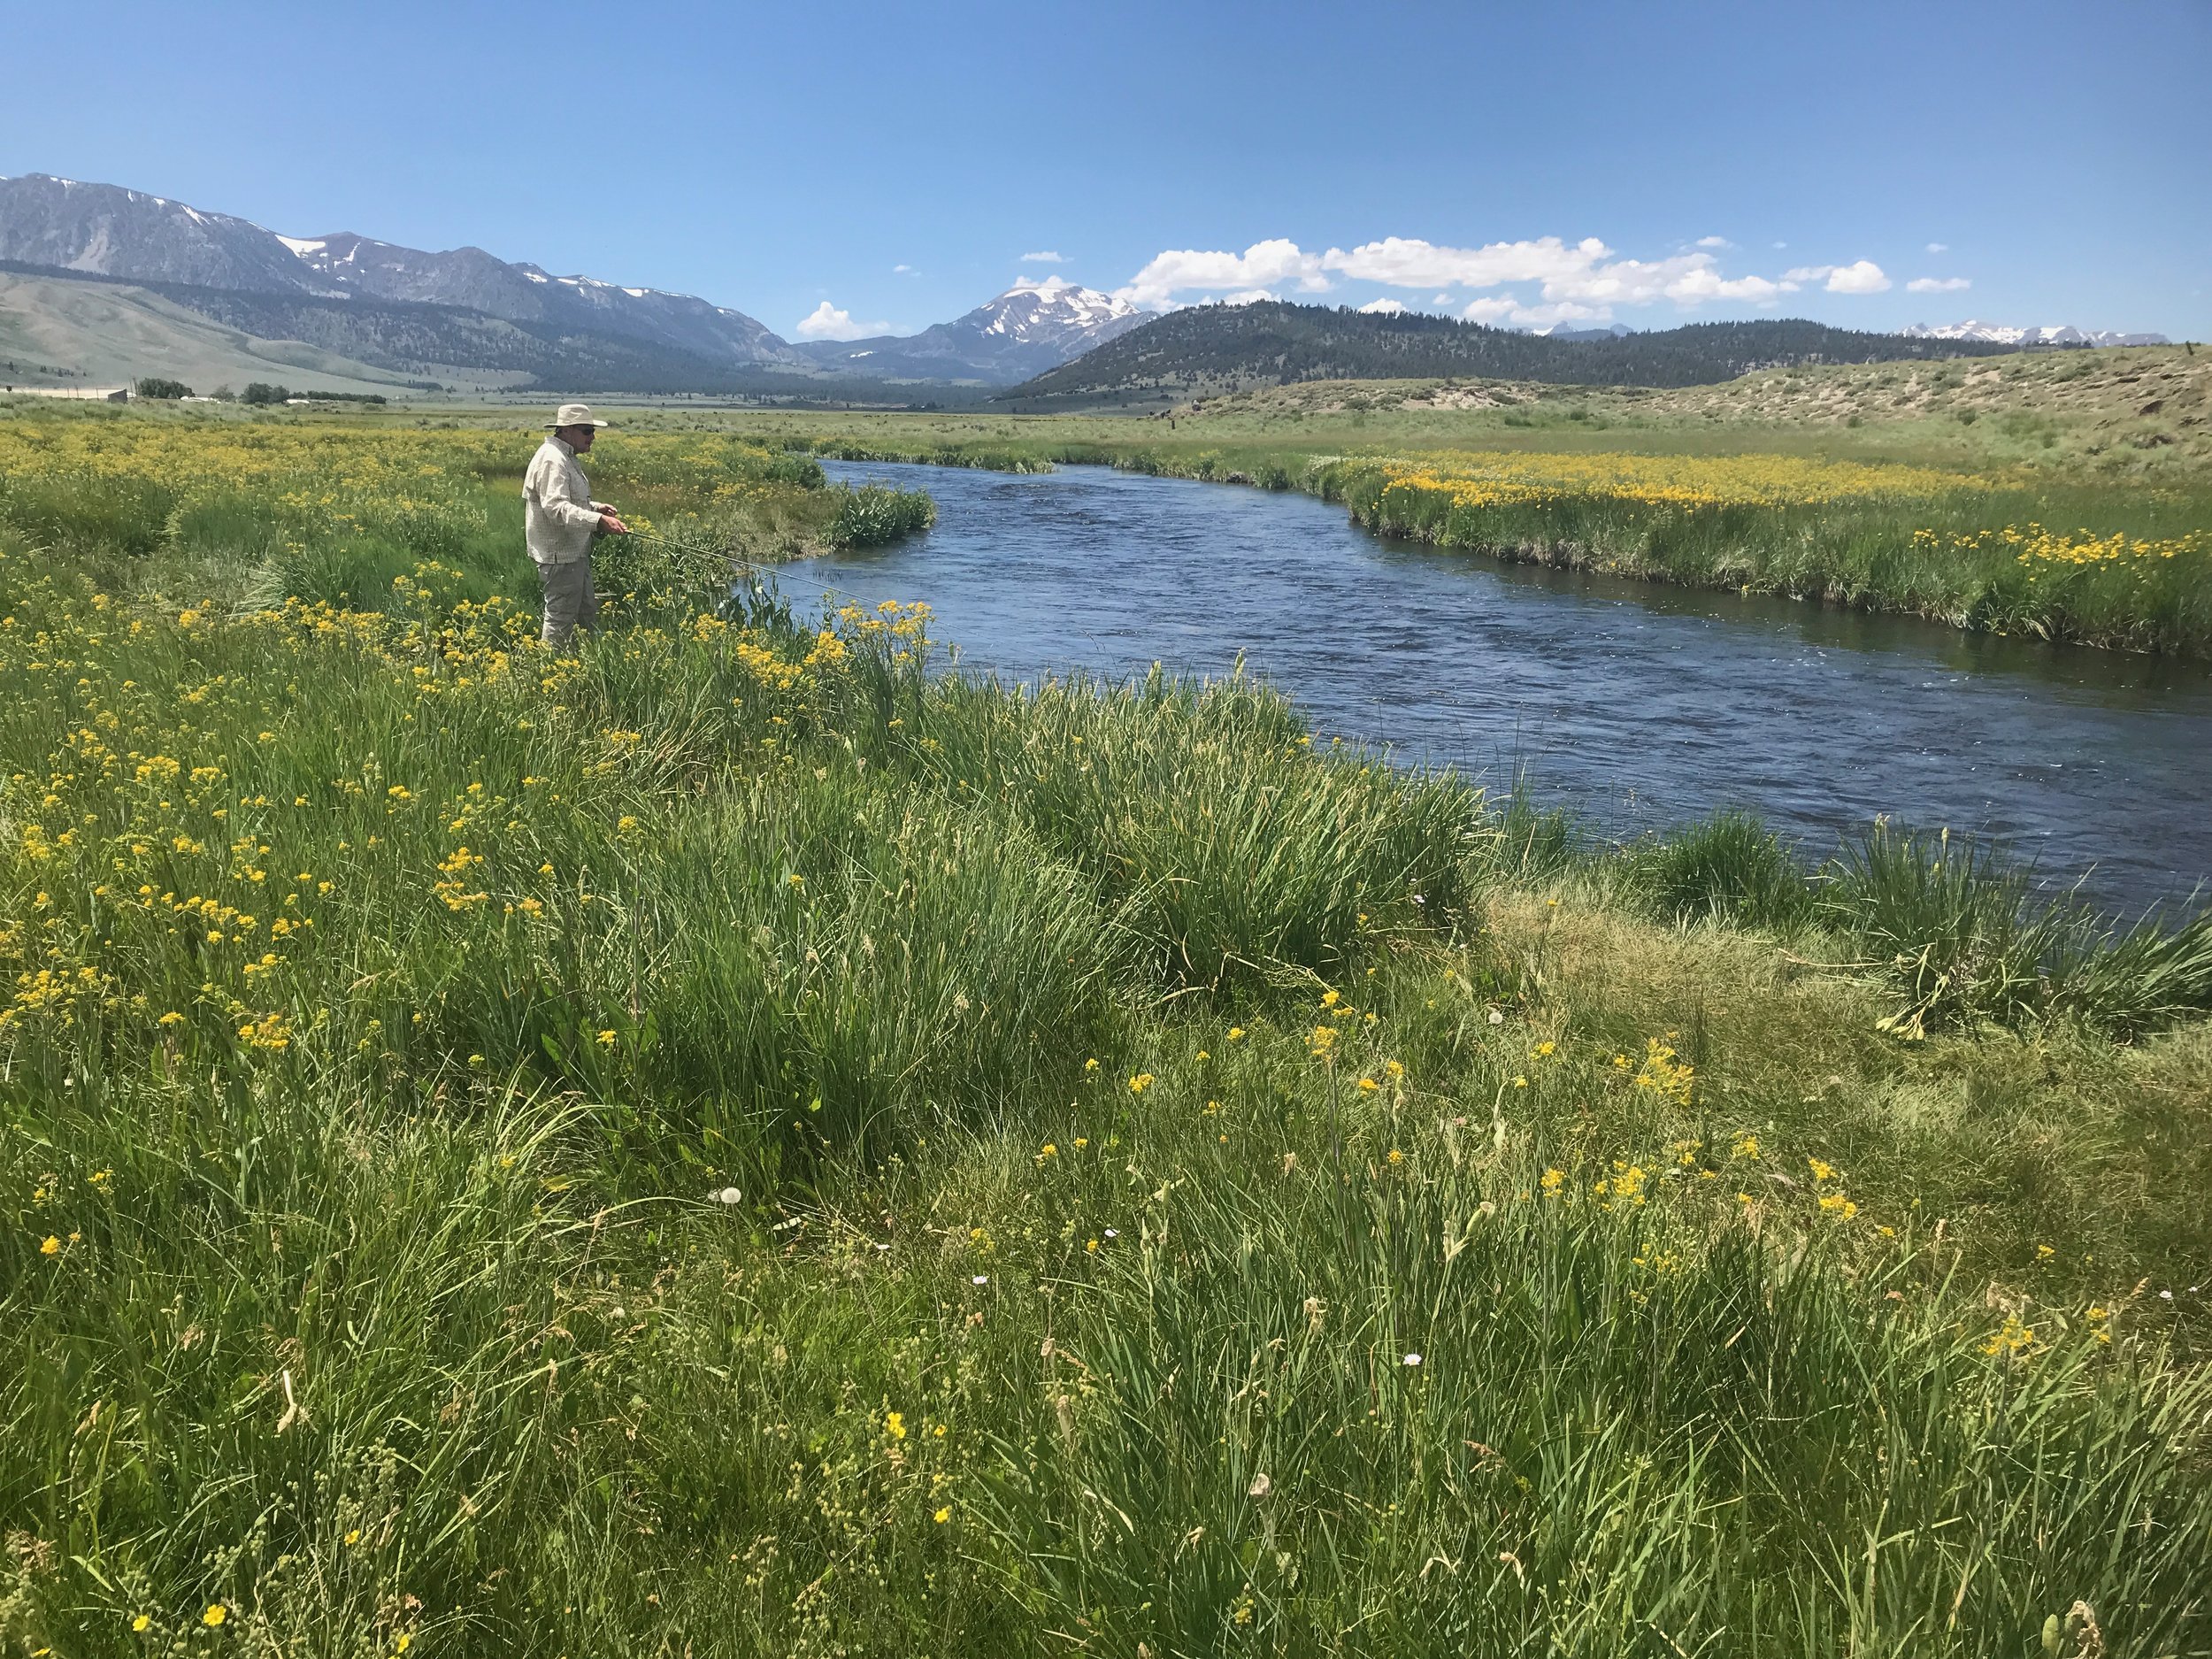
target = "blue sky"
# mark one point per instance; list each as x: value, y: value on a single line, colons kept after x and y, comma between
x: 1645, y: 164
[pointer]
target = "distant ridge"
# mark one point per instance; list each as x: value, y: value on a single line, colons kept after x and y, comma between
x: 1212, y: 349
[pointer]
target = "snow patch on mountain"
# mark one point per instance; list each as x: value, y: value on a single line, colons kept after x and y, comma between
x: 2004, y: 333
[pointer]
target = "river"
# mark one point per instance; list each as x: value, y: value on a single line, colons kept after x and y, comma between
x: 1640, y: 705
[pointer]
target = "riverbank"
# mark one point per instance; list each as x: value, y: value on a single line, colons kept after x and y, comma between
x: 731, y: 1132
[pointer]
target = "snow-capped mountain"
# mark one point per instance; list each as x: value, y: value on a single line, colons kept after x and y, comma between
x: 106, y: 230
x: 2004, y: 334
x: 1053, y: 313
x: 1023, y: 332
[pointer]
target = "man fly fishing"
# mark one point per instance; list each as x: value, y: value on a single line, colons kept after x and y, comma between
x: 560, y: 520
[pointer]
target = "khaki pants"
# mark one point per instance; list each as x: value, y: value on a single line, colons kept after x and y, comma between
x: 570, y: 602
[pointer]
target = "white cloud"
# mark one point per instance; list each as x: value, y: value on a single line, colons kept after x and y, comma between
x: 1686, y: 279
x: 1862, y: 276
x: 1506, y: 309
x: 1561, y: 311
x: 1575, y: 281
x: 1409, y: 262
x: 1938, y: 285
x: 1186, y: 270
x: 901, y: 270
x: 1040, y: 285
x: 1938, y: 246
x: 1249, y: 297
x: 826, y: 322
x: 1043, y: 258
x: 1520, y: 315
x: 1383, y: 308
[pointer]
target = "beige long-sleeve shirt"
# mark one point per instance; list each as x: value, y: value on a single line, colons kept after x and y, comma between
x: 558, y: 515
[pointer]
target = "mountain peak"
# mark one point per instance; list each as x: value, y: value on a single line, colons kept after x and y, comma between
x: 1048, y: 310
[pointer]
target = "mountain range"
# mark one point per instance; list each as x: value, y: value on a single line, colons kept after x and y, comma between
x: 104, y: 230
x: 2004, y: 334
x: 464, y: 314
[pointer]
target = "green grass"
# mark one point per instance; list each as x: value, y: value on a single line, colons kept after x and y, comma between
x: 394, y: 1289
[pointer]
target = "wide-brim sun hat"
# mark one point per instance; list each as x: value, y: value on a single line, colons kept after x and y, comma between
x: 573, y: 415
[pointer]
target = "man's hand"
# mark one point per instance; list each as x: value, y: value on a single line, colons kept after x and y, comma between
x: 609, y: 524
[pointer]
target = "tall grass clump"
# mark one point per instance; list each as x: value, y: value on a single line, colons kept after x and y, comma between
x: 1233, y: 853
x: 875, y: 514
x: 1731, y: 869
x: 1951, y: 925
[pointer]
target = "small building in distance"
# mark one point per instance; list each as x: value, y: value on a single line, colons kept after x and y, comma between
x: 83, y: 394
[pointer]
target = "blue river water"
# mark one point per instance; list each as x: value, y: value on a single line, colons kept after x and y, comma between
x: 1639, y: 705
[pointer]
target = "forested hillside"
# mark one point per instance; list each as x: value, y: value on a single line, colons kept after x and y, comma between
x: 1214, y: 349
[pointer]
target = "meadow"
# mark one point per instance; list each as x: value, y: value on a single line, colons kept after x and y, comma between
x: 731, y: 1141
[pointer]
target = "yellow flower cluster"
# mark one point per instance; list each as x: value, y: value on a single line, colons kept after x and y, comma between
x: 1666, y: 1074
x: 2032, y: 544
x: 1494, y: 478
